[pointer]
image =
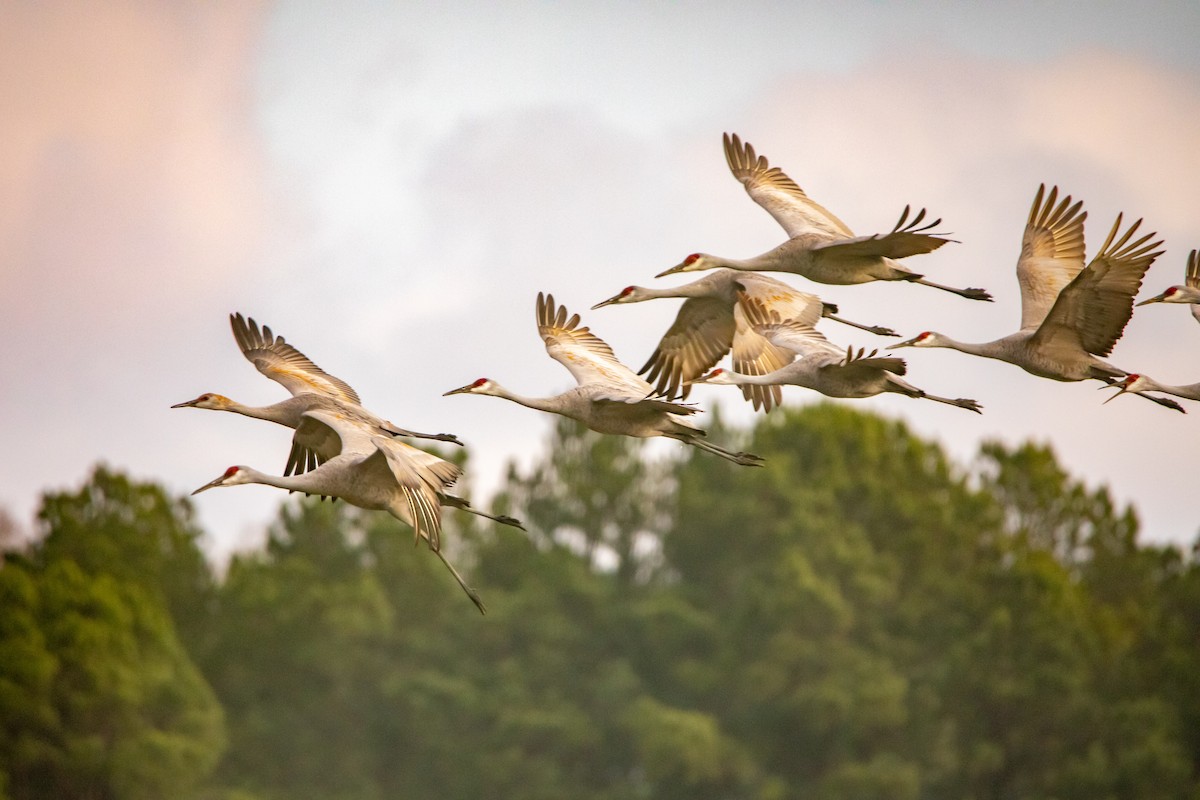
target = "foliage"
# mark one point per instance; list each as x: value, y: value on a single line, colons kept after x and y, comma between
x: 860, y: 618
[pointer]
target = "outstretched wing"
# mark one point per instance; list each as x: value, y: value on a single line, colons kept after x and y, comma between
x: 316, y: 441
x: 1096, y: 305
x: 1051, y: 253
x: 907, y: 238
x: 700, y: 336
x: 781, y: 196
x: 422, y: 479
x: 1192, y: 277
x: 754, y: 353
x: 281, y: 362
x: 861, y: 365
x: 795, y: 336
x: 584, y: 354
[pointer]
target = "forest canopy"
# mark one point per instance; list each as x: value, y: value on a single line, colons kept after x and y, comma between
x: 861, y: 618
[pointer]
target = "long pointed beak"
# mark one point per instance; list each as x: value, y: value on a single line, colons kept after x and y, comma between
x: 460, y: 390
x: 209, y: 485
x: 905, y: 343
x: 607, y: 302
x: 1121, y: 388
x: 188, y: 404
x: 1156, y: 299
x: 671, y: 271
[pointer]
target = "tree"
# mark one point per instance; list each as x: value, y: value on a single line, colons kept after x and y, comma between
x: 99, y: 698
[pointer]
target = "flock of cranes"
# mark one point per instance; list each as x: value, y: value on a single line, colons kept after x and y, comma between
x: 1072, y: 314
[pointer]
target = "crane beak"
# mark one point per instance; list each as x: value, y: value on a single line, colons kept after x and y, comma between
x: 460, y: 390
x: 188, y: 404
x: 614, y: 299
x: 209, y: 485
x: 1120, y: 392
x: 671, y: 271
x: 1155, y: 299
x: 905, y: 343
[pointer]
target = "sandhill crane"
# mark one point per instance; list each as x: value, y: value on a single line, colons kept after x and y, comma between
x: 1189, y: 292
x: 312, y: 389
x: 707, y: 327
x: 1144, y: 383
x: 822, y: 365
x: 820, y: 246
x: 1070, y: 314
x: 371, y: 471
x: 610, y: 398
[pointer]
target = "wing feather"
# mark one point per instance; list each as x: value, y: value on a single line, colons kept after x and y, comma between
x: 698, y: 338
x: 284, y: 364
x: 779, y: 195
x: 588, y: 358
x: 1097, y: 304
x: 1051, y: 253
x: 907, y: 238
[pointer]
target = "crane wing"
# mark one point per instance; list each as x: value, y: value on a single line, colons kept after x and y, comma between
x: 1192, y: 271
x: 1051, y: 253
x: 907, y: 238
x: 1095, y: 306
x: 701, y: 334
x: 281, y: 362
x: 315, y: 442
x: 779, y: 195
x: 795, y: 336
x: 422, y: 478
x: 584, y: 354
x: 861, y: 365
x: 780, y: 297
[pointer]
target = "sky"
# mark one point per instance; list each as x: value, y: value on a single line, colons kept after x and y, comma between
x: 389, y: 185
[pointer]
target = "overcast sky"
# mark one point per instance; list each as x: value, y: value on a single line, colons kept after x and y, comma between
x: 390, y: 185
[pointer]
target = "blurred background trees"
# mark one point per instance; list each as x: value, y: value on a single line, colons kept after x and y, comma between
x: 860, y: 618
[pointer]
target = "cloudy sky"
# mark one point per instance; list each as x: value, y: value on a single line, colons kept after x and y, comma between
x: 389, y: 185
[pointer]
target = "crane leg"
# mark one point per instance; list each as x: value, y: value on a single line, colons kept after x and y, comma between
x: 471, y: 593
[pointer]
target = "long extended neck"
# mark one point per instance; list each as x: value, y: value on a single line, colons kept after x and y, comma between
x: 716, y: 283
x: 1189, y: 392
x: 281, y: 413
x: 306, y: 482
x: 549, y: 404
x: 994, y: 349
x: 738, y: 379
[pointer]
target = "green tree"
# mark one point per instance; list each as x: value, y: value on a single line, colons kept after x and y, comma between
x: 99, y: 699
x: 137, y: 533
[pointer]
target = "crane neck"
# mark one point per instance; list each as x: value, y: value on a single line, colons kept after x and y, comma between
x: 712, y: 285
x: 738, y: 379
x: 537, y: 403
x: 282, y: 413
x: 306, y: 482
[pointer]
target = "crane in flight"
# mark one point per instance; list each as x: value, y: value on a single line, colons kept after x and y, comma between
x: 822, y: 365
x: 710, y: 323
x: 312, y: 390
x: 610, y: 398
x: 1189, y: 292
x: 820, y: 246
x: 371, y: 470
x: 1071, y: 315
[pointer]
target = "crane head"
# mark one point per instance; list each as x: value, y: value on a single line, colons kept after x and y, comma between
x: 718, y: 376
x: 1166, y: 297
x: 207, y: 400
x: 630, y: 294
x: 693, y: 263
x: 481, y: 386
x: 230, y: 477
x: 1132, y: 382
x: 923, y: 339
